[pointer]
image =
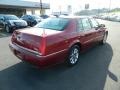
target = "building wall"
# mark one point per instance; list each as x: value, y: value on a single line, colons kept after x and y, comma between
x: 21, y: 7
x: 19, y: 12
x: 24, y: 3
x: 15, y: 11
x: 35, y: 11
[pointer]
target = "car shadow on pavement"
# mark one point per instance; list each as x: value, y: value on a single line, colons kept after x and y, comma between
x: 89, y: 74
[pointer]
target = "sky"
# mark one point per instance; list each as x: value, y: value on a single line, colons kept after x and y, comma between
x: 78, y: 5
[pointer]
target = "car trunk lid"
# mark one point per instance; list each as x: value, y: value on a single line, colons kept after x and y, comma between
x: 32, y: 38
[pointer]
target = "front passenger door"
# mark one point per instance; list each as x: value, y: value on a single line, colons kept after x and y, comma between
x: 99, y: 30
x: 86, y: 36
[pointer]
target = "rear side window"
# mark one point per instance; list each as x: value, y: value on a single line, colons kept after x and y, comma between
x: 80, y: 25
x: 53, y: 23
x: 86, y: 24
x: 94, y: 23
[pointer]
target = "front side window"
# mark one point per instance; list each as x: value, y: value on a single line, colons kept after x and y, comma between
x: 53, y: 23
x: 86, y: 24
x: 94, y: 23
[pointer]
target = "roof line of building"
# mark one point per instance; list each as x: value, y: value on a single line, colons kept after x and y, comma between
x: 23, y: 4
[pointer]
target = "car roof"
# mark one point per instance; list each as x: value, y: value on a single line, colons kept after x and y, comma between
x: 7, y: 15
x: 75, y: 17
x: 30, y: 15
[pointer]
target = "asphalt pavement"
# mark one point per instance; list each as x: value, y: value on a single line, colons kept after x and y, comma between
x: 98, y: 69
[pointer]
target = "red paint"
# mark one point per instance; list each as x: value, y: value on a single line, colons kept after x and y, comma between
x: 53, y: 45
x: 43, y: 43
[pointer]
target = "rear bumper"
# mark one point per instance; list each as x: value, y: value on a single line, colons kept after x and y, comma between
x: 35, y: 58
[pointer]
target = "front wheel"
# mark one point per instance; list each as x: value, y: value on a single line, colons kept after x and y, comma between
x: 104, y: 39
x: 73, y: 56
x: 7, y: 29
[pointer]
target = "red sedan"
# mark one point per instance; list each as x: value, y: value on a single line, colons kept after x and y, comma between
x: 57, y: 40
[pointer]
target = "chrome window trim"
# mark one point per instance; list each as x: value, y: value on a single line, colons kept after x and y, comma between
x: 55, y: 53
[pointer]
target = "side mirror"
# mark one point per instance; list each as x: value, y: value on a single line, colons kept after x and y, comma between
x: 99, y: 26
x: 102, y: 25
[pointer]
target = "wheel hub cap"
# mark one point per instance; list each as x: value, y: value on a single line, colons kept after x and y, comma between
x: 74, y: 56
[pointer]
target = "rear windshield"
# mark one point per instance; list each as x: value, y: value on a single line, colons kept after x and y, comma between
x: 53, y: 23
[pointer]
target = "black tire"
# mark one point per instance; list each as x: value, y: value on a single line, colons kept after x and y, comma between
x: 7, y: 29
x: 73, y: 56
x: 32, y: 24
x: 104, y: 39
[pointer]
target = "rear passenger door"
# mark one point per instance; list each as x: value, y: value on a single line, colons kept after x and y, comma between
x: 85, y: 33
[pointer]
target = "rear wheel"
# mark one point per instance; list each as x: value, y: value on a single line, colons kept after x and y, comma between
x: 73, y: 56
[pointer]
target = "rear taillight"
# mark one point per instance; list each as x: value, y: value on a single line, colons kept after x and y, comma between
x: 43, y: 45
x: 13, y: 36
